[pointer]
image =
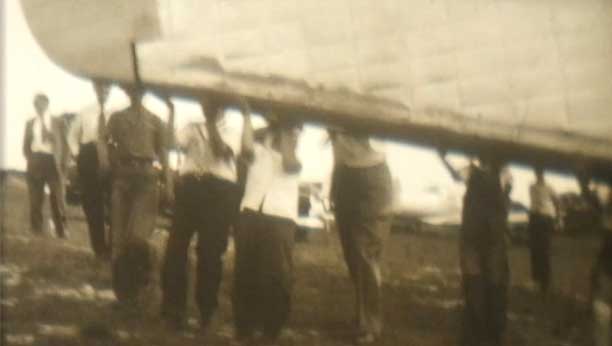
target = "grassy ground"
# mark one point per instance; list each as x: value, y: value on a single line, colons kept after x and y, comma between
x: 55, y: 293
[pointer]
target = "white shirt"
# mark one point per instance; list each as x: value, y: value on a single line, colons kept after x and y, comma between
x: 38, y: 145
x: 84, y: 128
x: 269, y: 188
x: 542, y: 199
x: 357, y: 151
x: 198, y: 157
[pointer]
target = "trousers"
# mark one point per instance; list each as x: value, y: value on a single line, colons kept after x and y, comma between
x: 362, y: 198
x: 263, y: 273
x: 134, y: 205
x: 485, y: 276
x: 540, y: 230
x: 95, y: 197
x: 41, y: 171
x: 206, y: 207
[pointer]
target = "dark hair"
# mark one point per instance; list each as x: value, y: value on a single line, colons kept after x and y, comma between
x: 41, y: 96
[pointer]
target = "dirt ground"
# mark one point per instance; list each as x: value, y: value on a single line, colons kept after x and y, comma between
x: 55, y: 293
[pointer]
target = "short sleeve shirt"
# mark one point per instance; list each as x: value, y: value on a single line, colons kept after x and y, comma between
x: 136, y: 134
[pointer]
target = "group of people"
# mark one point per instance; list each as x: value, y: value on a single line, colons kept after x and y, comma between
x: 247, y: 184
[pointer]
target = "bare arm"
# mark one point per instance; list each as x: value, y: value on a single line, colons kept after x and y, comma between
x: 27, y: 140
x: 170, y: 136
x: 288, y: 146
x: 248, y: 138
x: 451, y: 170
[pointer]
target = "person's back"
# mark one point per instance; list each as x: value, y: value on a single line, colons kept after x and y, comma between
x: 484, y: 262
x: 484, y: 206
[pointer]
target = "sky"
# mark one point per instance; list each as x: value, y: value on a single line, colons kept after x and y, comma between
x: 417, y: 171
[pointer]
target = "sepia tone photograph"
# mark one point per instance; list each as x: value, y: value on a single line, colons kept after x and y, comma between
x: 306, y: 173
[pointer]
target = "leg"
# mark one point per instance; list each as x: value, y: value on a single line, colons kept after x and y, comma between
x: 93, y: 200
x: 540, y: 247
x: 121, y: 204
x: 496, y: 276
x: 175, y: 266
x: 276, y: 275
x: 120, y: 211
x: 212, y: 243
x: 370, y: 237
x: 546, y: 253
x: 533, y: 255
x: 221, y: 200
x: 345, y: 225
x: 144, y: 206
x: 474, y: 321
x: 497, y: 303
x: 141, y: 225
x: 36, y: 189
x: 244, y: 296
x: 602, y: 309
x: 56, y: 187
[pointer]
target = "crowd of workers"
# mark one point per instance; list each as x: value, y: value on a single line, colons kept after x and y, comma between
x: 247, y: 185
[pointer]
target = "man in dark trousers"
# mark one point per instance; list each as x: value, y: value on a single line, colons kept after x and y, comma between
x: 264, y: 237
x: 207, y: 200
x: 46, y: 151
x: 601, y: 274
x: 542, y: 216
x: 137, y: 140
x: 484, y: 261
x: 92, y: 164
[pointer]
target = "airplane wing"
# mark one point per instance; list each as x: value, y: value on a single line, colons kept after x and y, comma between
x: 527, y: 80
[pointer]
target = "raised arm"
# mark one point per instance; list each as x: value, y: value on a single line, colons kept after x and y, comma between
x: 288, y: 145
x: 247, y: 142
x: 451, y: 170
x: 27, y: 140
x: 170, y: 133
x: 213, y: 110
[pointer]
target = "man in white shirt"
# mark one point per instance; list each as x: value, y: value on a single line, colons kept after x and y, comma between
x: 542, y: 215
x: 265, y: 234
x: 363, y: 200
x: 207, y: 197
x: 92, y: 165
x: 46, y: 152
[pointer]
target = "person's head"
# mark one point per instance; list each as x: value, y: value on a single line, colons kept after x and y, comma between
x: 101, y: 89
x: 134, y: 92
x: 213, y: 109
x: 539, y: 173
x: 41, y: 103
x: 490, y: 162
